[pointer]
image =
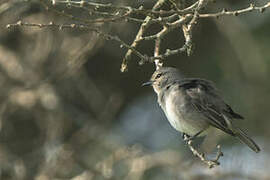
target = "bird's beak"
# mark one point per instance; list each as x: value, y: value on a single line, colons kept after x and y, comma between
x: 147, y: 83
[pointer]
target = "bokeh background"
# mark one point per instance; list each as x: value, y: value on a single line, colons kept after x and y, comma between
x: 67, y: 112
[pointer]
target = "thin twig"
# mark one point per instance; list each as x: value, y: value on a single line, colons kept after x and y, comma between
x: 210, y: 163
x: 146, y: 12
x: 187, y: 29
x: 143, y: 27
x: 224, y: 12
x: 158, y: 62
x: 81, y: 27
x: 167, y: 19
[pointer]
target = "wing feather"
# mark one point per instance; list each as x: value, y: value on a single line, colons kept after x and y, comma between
x: 204, y: 97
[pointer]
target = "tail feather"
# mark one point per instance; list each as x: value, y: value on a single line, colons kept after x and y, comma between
x: 243, y: 137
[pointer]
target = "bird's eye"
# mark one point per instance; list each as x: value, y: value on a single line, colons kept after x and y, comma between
x: 158, y: 76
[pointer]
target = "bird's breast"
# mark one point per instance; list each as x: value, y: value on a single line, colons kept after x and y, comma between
x: 181, y: 115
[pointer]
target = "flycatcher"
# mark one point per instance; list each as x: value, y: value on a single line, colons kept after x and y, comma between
x: 193, y: 105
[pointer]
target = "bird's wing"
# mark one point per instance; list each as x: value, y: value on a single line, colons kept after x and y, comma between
x: 205, y: 99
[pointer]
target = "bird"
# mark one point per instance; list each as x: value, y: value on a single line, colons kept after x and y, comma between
x: 193, y: 106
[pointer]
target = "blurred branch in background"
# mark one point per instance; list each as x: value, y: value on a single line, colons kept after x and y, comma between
x: 62, y: 99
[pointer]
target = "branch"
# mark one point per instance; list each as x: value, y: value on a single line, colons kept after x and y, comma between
x: 224, y: 12
x: 142, y: 29
x: 210, y: 163
x: 167, y: 19
x: 81, y: 27
x: 158, y: 63
x: 146, y: 12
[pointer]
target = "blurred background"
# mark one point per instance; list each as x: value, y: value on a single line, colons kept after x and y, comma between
x: 67, y: 112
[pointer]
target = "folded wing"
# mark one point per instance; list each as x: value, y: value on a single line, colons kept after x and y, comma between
x: 204, y: 97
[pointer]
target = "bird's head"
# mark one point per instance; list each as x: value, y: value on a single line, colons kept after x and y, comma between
x: 163, y: 77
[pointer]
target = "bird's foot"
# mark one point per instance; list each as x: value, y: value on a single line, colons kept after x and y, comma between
x: 187, y: 138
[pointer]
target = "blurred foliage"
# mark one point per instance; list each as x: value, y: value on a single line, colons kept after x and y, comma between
x: 68, y: 113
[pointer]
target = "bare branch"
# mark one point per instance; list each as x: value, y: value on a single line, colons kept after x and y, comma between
x: 168, y: 19
x: 224, y: 12
x: 210, y: 163
x: 81, y: 27
x: 147, y: 23
x: 146, y: 12
x: 158, y: 62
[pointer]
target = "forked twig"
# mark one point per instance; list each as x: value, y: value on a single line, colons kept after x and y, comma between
x: 166, y: 19
x: 210, y: 163
x: 147, y: 22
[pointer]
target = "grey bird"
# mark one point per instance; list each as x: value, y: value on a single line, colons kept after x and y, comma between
x: 194, y: 105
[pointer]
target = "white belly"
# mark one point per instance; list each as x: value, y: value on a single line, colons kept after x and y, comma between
x: 189, y: 123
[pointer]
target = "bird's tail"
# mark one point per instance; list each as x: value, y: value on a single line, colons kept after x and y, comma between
x: 243, y: 137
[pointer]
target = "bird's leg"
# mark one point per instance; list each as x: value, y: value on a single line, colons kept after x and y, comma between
x: 188, y: 138
x: 185, y: 136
